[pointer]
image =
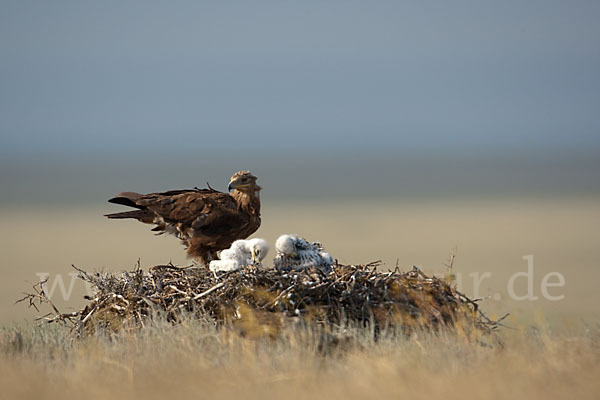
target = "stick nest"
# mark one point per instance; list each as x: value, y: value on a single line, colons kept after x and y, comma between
x: 264, y: 298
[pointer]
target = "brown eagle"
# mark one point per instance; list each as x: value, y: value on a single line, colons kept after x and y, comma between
x: 205, y: 220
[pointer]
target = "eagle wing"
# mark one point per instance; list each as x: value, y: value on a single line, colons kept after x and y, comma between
x: 206, y: 211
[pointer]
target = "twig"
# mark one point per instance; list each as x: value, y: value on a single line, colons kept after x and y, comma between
x: 209, y: 291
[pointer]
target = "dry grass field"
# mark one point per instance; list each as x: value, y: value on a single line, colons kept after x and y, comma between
x: 551, y: 350
x: 193, y: 360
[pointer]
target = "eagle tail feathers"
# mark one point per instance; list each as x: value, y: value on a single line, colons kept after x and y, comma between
x: 137, y: 214
x: 127, y: 199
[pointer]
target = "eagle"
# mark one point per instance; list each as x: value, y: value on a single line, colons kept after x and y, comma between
x: 241, y: 253
x: 205, y: 220
x: 296, y: 253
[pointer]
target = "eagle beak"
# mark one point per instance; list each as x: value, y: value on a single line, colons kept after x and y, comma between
x: 255, y: 259
x: 237, y: 185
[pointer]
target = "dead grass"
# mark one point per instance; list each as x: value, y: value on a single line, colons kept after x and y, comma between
x: 196, y: 360
x: 199, y: 358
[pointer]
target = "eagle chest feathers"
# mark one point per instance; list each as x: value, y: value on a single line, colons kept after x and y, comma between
x: 205, y: 220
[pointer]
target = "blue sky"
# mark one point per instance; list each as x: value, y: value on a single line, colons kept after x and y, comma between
x: 312, y: 76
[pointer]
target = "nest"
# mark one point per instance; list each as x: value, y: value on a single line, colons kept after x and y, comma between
x: 264, y: 299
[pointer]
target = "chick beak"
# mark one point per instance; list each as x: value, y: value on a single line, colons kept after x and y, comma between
x: 294, y: 254
x: 255, y: 259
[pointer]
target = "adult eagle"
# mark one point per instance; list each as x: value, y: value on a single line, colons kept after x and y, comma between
x: 205, y: 220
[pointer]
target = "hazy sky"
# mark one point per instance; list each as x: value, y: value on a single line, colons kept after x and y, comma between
x: 136, y: 76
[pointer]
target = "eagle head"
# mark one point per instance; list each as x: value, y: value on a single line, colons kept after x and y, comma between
x: 243, y: 181
x: 258, y: 249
